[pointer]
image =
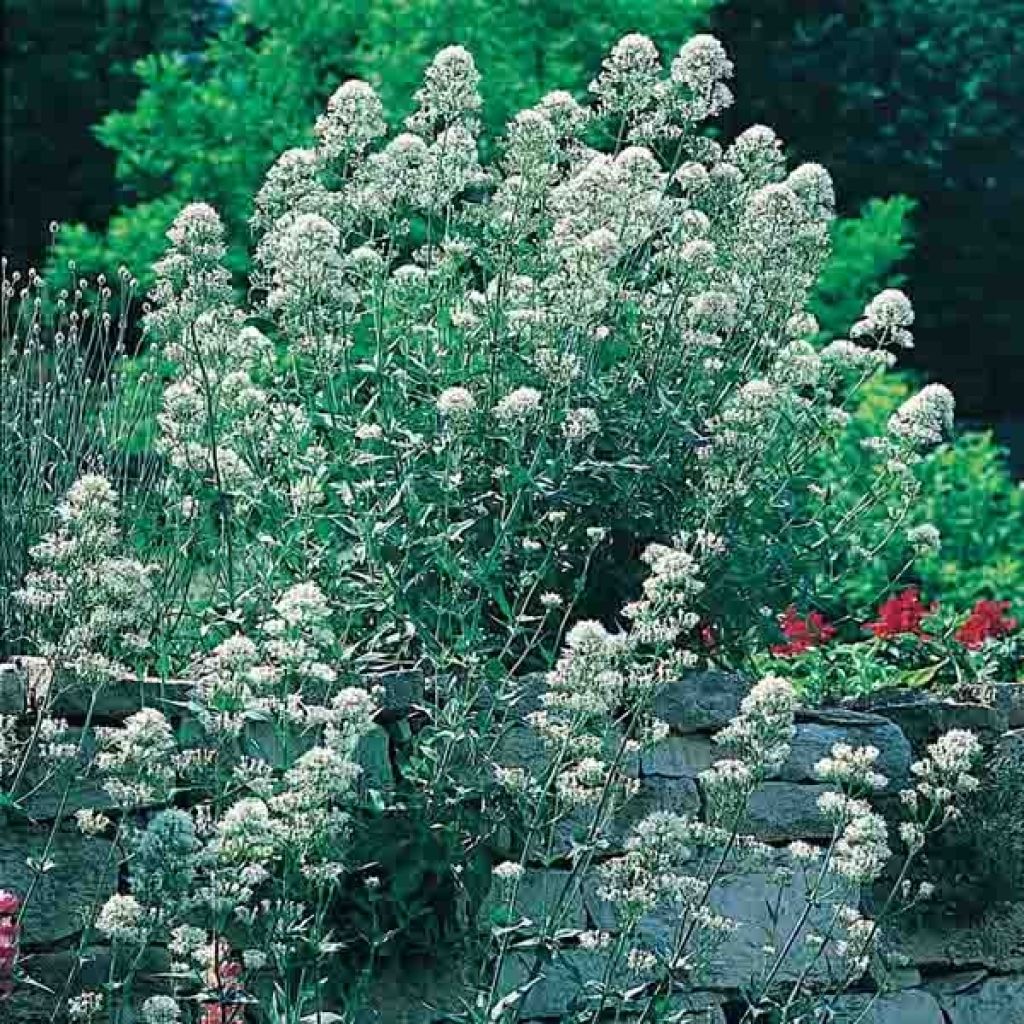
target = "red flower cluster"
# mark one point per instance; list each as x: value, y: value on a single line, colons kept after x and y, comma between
x: 10, y: 903
x: 222, y: 975
x: 988, y: 621
x: 901, y: 615
x: 802, y: 633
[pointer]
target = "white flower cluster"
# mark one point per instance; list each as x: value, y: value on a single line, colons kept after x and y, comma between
x: 95, y: 598
x: 852, y: 768
x: 925, y: 419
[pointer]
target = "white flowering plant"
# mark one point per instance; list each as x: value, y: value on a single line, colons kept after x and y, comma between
x: 458, y: 408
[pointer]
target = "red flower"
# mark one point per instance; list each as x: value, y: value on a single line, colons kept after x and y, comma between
x: 802, y: 634
x: 988, y: 621
x: 901, y: 615
x: 707, y: 636
x: 10, y: 903
x: 220, y: 1013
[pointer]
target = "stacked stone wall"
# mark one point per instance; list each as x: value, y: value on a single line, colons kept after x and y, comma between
x: 961, y: 974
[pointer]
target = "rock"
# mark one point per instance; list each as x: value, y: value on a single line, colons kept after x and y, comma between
x: 701, y: 702
x: 782, y: 811
x: 276, y: 744
x: 519, y: 746
x: 418, y: 992
x: 995, y: 941
x: 1009, y: 699
x: 37, y: 1003
x: 995, y: 1001
x: 119, y: 698
x: 536, y: 895
x: 910, y: 1007
x: 71, y: 786
x: 763, y: 914
x: 399, y: 691
x: 13, y: 688
x: 374, y: 756
x: 679, y: 796
x: 814, y: 741
x: 567, y: 981
x: 923, y: 717
x: 83, y: 874
x: 679, y: 757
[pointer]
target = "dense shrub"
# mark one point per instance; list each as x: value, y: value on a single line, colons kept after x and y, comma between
x: 460, y: 401
x: 208, y: 126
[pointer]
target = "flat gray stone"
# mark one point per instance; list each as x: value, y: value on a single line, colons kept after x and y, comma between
x: 995, y: 1001
x: 910, y: 1007
x: 399, y: 691
x: 701, y: 702
x: 994, y: 941
x: 749, y: 898
x: 782, y: 811
x: 536, y: 895
x: 119, y: 698
x: 679, y: 757
x: 36, y: 1004
x: 84, y: 870
x: 373, y: 754
x: 568, y: 981
x: 923, y: 717
x: 1009, y: 698
x: 13, y: 688
x: 815, y: 740
x: 679, y: 796
x: 520, y: 746
x: 43, y: 793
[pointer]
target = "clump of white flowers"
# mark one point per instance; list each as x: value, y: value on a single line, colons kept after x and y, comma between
x: 452, y: 400
x: 925, y: 419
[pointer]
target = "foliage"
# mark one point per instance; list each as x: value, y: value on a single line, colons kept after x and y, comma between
x: 868, y: 252
x: 65, y: 66
x: 69, y: 402
x: 909, y: 645
x: 983, y: 853
x: 967, y: 493
x: 924, y: 99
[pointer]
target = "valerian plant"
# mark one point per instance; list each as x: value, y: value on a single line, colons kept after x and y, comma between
x: 459, y: 404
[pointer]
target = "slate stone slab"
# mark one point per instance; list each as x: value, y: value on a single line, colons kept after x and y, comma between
x: 994, y: 941
x: 36, y: 1004
x: 679, y: 757
x: 43, y: 792
x: 783, y: 811
x: 701, y: 702
x: 680, y: 796
x: 994, y: 1001
x: 83, y: 870
x: 815, y: 740
x: 535, y: 897
x: 764, y: 916
x: 911, y: 1007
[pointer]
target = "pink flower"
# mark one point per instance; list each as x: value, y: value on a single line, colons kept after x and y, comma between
x: 10, y: 904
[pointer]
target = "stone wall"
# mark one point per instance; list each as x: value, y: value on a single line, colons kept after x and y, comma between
x: 959, y: 974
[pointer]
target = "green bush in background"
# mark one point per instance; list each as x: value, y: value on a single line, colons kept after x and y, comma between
x: 924, y: 98
x: 66, y: 65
